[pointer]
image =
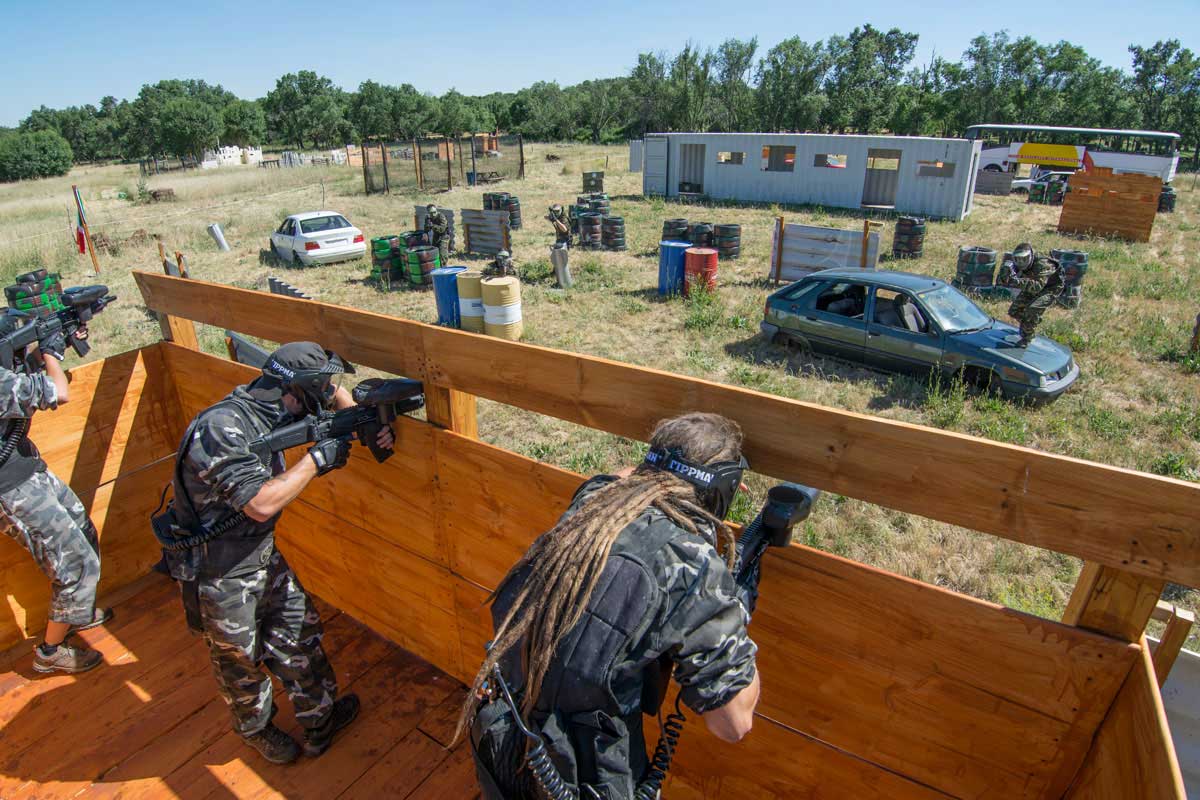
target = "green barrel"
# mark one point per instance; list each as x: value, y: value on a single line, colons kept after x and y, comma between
x: 675, y: 230
x: 1056, y: 192
x: 612, y: 233
x: 1037, y: 193
x: 908, y: 240
x: 421, y: 261
x: 727, y: 240
x: 1075, y: 267
x: 976, y: 268
x: 1166, y: 200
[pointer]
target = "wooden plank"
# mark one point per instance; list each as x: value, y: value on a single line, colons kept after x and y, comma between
x: 1133, y: 755
x: 455, y: 777
x: 959, y: 694
x: 400, y: 771
x: 1112, y: 602
x: 1179, y: 627
x: 1137, y: 522
x: 1105, y: 204
x: 453, y: 410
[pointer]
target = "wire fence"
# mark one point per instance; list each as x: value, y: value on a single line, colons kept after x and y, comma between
x: 435, y: 164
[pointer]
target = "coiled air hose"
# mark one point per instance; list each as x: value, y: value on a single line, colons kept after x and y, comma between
x: 17, y: 430
x: 664, y: 751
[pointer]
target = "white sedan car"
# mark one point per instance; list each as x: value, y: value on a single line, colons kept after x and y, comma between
x: 317, y: 237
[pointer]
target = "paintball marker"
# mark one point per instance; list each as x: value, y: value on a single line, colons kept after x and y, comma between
x: 379, y: 403
x: 80, y: 304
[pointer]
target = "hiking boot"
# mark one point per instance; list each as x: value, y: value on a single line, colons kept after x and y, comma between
x: 317, y: 740
x: 99, y: 617
x: 65, y: 658
x: 274, y: 745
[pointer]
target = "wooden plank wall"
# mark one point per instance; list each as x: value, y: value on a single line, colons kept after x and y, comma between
x: 1103, y: 204
x: 884, y: 685
x: 1133, y: 755
x: 804, y: 249
x: 1143, y: 524
x: 113, y: 444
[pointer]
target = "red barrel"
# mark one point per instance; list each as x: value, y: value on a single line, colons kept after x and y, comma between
x: 699, y: 266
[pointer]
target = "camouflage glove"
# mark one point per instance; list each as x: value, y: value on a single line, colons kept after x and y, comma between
x: 330, y: 454
x: 54, y: 345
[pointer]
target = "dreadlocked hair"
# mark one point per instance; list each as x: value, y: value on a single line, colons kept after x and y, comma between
x: 565, y: 563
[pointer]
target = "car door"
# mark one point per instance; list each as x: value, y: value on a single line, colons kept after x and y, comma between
x: 283, y: 238
x: 901, y: 337
x: 832, y: 320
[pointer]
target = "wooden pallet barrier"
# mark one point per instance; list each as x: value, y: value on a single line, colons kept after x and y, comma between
x: 1100, y: 203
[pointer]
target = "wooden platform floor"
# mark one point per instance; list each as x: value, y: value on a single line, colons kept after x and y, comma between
x: 149, y: 722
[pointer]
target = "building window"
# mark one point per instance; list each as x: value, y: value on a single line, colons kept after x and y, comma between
x: 833, y: 160
x: 883, y: 162
x: 731, y: 158
x: 935, y: 169
x: 778, y: 158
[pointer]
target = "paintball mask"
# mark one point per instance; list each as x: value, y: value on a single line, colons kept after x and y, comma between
x: 308, y: 369
x: 1023, y: 257
x: 717, y: 483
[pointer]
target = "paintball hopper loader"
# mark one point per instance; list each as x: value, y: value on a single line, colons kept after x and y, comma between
x: 379, y: 402
x: 787, y: 504
x: 81, y: 304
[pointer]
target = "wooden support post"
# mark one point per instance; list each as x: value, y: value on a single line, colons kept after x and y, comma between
x: 176, y: 329
x: 231, y: 348
x: 777, y: 267
x: 462, y: 170
x: 181, y: 263
x: 1179, y: 623
x: 1112, y: 602
x: 417, y: 165
x: 362, y: 152
x: 521, y: 150
x: 453, y: 410
x: 387, y: 184
x: 449, y: 166
x: 474, y: 168
x: 867, y: 226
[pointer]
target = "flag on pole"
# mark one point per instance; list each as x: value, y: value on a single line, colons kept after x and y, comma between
x: 81, y: 225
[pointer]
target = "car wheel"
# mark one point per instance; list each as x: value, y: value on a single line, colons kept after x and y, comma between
x: 983, y: 380
x: 296, y: 259
x: 992, y: 168
x: 275, y: 251
x: 798, y: 343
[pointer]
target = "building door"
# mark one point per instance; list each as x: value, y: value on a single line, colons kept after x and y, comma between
x: 691, y: 169
x: 883, y: 176
x: 654, y: 165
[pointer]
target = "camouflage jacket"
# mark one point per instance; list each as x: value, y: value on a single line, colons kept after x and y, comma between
x: 437, y: 226
x: 1045, y: 274
x: 219, y: 475
x: 696, y: 620
x: 20, y: 396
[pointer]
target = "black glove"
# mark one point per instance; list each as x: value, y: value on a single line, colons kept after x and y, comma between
x: 330, y: 454
x: 54, y: 345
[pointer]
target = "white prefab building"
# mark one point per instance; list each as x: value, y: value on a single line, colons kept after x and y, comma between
x: 915, y: 175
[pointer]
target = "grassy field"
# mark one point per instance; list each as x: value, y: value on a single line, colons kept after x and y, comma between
x: 1136, y: 405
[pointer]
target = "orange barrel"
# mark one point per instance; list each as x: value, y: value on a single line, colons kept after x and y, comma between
x: 699, y: 267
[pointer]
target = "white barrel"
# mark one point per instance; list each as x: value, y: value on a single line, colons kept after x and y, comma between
x: 470, y: 301
x: 214, y: 230
x: 502, y: 308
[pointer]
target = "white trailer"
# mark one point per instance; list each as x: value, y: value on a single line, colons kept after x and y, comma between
x: 909, y: 174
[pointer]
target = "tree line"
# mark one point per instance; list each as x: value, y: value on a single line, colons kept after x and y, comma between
x: 864, y: 82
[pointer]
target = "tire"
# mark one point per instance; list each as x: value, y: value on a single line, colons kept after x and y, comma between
x: 992, y: 168
x: 983, y: 380
x: 296, y: 261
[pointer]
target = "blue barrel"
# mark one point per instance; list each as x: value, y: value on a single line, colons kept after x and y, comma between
x: 670, y: 266
x: 445, y: 291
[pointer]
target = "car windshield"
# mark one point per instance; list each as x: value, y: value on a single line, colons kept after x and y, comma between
x: 953, y: 311
x: 318, y: 224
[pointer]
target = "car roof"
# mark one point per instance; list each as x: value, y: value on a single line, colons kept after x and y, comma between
x: 893, y: 280
x: 314, y: 214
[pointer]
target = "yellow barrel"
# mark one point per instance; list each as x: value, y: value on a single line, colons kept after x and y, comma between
x: 470, y: 301
x: 502, y: 308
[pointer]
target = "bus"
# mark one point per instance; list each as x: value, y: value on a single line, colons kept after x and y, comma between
x: 1049, y: 147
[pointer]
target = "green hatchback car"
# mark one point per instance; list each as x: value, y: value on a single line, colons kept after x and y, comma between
x: 900, y: 322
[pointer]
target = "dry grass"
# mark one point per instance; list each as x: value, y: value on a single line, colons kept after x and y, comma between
x: 1136, y: 405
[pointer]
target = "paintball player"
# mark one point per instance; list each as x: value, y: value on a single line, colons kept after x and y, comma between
x: 562, y: 225
x: 41, y: 512
x: 1041, y: 281
x: 238, y: 590
x: 501, y: 266
x: 439, y: 232
x: 632, y: 581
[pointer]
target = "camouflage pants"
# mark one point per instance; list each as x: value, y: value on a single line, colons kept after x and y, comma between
x: 265, y: 619
x: 443, y: 247
x: 1028, y: 309
x: 46, y: 517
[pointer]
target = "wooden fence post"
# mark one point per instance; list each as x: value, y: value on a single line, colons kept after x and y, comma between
x: 1112, y: 602
x: 449, y: 166
x: 176, y: 329
x: 474, y: 168
x: 778, y: 265
x: 383, y: 155
x: 417, y: 165
x: 453, y: 410
x: 521, y: 150
x: 362, y: 152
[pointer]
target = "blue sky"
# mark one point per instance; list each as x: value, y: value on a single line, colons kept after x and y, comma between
x: 69, y: 53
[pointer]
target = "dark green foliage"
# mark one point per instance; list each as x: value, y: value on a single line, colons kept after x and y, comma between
x: 39, y: 154
x: 190, y: 126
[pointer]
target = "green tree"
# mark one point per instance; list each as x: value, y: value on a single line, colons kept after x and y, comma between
x: 244, y: 123
x: 371, y: 110
x: 690, y: 89
x: 649, y: 90
x: 733, y: 106
x: 603, y: 107
x: 864, y: 77
x: 34, y: 154
x: 789, y: 95
x: 189, y: 126
x: 304, y: 107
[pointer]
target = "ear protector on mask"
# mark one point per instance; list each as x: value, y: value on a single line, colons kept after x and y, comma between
x: 718, y: 482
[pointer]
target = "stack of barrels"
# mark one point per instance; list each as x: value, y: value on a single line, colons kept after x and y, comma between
x: 612, y: 233
x: 909, y: 239
x: 1037, y: 193
x: 503, y: 201
x: 976, y: 268
x: 598, y: 201
x: 727, y: 239
x: 470, y: 300
x: 591, y: 230
x: 502, y: 307
x: 675, y: 230
x: 1166, y: 199
x: 1075, y: 267
x: 1056, y: 192
x: 700, y: 234
x: 37, y: 293
x: 422, y: 260
x: 593, y: 181
x: 700, y: 270
x: 386, y: 260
